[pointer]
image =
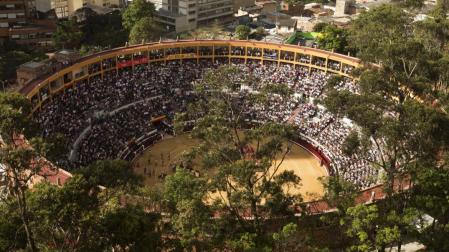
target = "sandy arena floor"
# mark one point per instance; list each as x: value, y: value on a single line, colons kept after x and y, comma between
x: 161, y: 157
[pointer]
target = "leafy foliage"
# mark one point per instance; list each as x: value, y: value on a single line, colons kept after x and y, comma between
x: 396, y: 119
x: 246, y: 182
x: 185, y: 197
x: 333, y: 39
x: 68, y: 35
x: 379, y: 31
x: 111, y: 174
x: 12, y: 236
x: 104, y: 30
x: 136, y: 11
x: 242, y: 31
x: 145, y: 30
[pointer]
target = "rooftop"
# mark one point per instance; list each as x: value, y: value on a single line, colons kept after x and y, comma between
x: 32, y: 65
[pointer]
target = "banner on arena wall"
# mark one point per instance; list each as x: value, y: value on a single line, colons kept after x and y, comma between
x: 129, y: 63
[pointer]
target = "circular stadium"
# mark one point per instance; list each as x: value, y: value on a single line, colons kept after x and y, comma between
x: 121, y: 104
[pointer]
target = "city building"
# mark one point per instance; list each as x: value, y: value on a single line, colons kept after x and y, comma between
x: 30, y: 71
x: 292, y: 9
x: 267, y: 5
x: 184, y: 15
x: 238, y: 4
x: 43, y: 5
x: 66, y: 8
x: 284, y: 26
x: 22, y: 23
x: 343, y: 8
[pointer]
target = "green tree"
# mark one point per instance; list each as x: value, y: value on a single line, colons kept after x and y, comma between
x: 242, y: 32
x: 104, y: 30
x: 333, y: 39
x: 9, y: 61
x: 21, y: 161
x: 285, y: 238
x: 66, y: 217
x: 136, y: 11
x: 56, y: 147
x: 245, y: 183
x: 260, y: 31
x: 379, y: 31
x: 416, y: 132
x: 362, y: 227
x: 111, y: 174
x: 12, y: 55
x: 79, y: 216
x: 430, y: 196
x: 339, y: 194
x: 185, y: 196
x: 12, y: 235
x: 68, y: 35
x: 371, y: 229
x: 433, y: 33
x: 319, y: 27
x: 393, y: 111
x: 130, y: 228
x: 145, y: 30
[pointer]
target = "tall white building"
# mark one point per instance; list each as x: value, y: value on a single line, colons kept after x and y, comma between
x: 342, y: 7
x: 184, y: 15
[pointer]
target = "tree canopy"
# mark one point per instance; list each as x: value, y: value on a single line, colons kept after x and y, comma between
x: 397, y: 119
x: 245, y: 183
x: 68, y: 35
x: 145, y: 30
x: 333, y: 39
x: 242, y: 31
x: 135, y: 11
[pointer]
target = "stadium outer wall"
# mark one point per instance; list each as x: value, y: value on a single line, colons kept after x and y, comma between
x: 41, y: 90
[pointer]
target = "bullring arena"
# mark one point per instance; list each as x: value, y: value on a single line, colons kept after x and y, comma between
x: 121, y: 104
x: 160, y: 158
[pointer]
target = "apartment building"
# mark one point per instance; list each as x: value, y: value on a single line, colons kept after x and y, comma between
x: 65, y: 8
x: 242, y: 4
x: 19, y: 21
x: 14, y: 12
x: 184, y: 15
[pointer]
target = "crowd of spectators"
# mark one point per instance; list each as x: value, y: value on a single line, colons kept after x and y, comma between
x: 329, y: 132
x: 100, y: 117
